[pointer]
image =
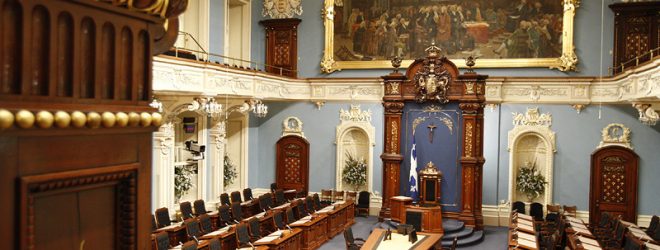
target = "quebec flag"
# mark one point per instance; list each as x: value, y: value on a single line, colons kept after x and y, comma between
x: 414, y: 191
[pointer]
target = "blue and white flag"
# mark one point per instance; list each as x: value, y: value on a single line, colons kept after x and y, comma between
x: 412, y: 182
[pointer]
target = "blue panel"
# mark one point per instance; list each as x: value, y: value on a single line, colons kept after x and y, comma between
x: 444, y: 151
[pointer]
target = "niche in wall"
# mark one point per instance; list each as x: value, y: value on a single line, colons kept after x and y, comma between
x: 531, y: 143
x: 355, y: 136
x: 236, y: 149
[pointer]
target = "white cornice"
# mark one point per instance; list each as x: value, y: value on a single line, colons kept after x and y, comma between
x: 177, y: 77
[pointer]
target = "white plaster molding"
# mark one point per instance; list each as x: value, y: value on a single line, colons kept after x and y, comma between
x: 185, y: 76
x: 292, y: 126
x: 216, y: 152
x: 615, y: 134
x: 647, y: 115
x: 282, y: 8
x: 536, y: 125
x: 352, y: 121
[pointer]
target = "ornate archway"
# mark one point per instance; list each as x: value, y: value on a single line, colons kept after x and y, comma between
x: 436, y: 80
x: 356, y: 136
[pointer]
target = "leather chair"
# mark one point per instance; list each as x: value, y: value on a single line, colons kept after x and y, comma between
x: 154, y: 225
x: 553, y: 208
x: 224, y: 199
x: 632, y: 243
x: 653, y: 226
x: 570, y: 210
x: 163, y: 217
x: 309, y: 205
x: 186, y: 210
x: 224, y: 216
x: 192, y: 228
x: 363, y: 203
x: 518, y: 206
x: 236, y: 197
x: 279, y: 197
x: 536, y: 211
x: 263, y: 204
x: 290, y: 216
x: 415, y: 219
x: 205, y: 223
x: 242, y: 235
x: 190, y: 245
x: 162, y: 241
x: 352, y: 243
x: 200, y: 208
x: 326, y: 196
x: 269, y: 200
x: 215, y: 244
x: 317, y: 202
x: 247, y: 194
x: 278, y: 220
x: 300, y: 207
x: 236, y: 211
x: 273, y: 187
x: 338, y: 196
x: 255, y: 229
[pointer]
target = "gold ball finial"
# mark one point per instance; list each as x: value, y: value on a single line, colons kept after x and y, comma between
x: 145, y: 119
x: 122, y: 119
x: 78, y: 119
x: 156, y: 119
x: 45, y: 119
x: 62, y: 119
x: 93, y: 120
x: 25, y: 119
x: 108, y: 119
x: 133, y: 119
x: 6, y: 119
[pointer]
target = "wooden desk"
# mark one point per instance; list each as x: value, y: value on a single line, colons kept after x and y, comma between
x: 431, y: 218
x: 431, y: 241
x: 340, y: 217
x: 250, y: 208
x: 314, y: 231
x: 176, y: 233
x: 289, y: 240
x: 522, y: 233
x: 576, y: 242
x: 227, y: 237
x: 265, y: 221
x: 398, y: 207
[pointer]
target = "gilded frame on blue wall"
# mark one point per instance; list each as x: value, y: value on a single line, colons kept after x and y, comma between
x: 567, y: 61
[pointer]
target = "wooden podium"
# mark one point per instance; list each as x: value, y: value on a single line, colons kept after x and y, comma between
x: 431, y: 218
x: 398, y: 207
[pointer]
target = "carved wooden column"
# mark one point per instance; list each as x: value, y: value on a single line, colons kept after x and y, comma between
x: 472, y: 160
x: 392, y: 158
x: 282, y: 46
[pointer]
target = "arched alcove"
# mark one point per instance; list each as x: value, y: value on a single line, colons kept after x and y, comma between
x: 531, y: 142
x: 355, y: 136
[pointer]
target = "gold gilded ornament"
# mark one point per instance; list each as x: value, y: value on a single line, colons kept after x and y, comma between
x: 108, y: 119
x: 44, y: 119
x: 122, y: 119
x: 6, y: 119
x: 24, y: 119
x: 156, y: 119
x: 133, y: 119
x: 62, y: 119
x: 78, y: 119
x: 145, y: 119
x: 93, y: 120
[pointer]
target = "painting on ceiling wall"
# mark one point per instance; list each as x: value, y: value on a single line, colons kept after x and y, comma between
x: 502, y: 33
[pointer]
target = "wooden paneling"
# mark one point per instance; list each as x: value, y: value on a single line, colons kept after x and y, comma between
x: 292, y: 169
x: 614, y: 180
x: 636, y: 30
x: 282, y: 45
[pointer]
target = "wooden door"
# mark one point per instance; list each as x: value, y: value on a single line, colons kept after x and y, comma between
x: 613, y: 183
x: 292, y: 170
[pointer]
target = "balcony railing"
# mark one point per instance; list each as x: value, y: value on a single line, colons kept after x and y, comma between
x: 635, y: 62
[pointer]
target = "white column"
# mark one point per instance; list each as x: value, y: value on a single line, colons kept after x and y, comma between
x: 216, y: 154
x: 163, y: 167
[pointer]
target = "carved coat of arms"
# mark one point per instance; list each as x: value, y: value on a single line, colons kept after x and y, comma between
x: 282, y: 8
x: 432, y: 81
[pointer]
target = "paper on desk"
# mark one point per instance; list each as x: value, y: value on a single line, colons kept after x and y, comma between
x: 524, y: 216
x: 578, y: 225
x: 526, y: 236
x: 174, y: 225
x: 526, y: 227
x: 527, y: 243
x: 588, y: 241
x: 591, y: 247
x: 277, y: 233
x: 582, y: 230
x: 260, y: 215
x: 652, y: 246
x: 267, y: 239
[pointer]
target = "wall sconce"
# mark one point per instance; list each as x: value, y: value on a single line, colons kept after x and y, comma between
x: 260, y: 109
x: 207, y: 105
x: 155, y: 103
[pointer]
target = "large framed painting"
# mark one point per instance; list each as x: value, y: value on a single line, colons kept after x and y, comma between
x: 366, y: 34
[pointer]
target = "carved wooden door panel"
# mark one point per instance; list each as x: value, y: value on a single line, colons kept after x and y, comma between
x: 613, y: 183
x: 292, y: 170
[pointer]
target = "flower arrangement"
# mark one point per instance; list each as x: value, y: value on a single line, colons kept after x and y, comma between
x: 182, y: 180
x: 355, y: 171
x: 229, y: 172
x: 530, y: 181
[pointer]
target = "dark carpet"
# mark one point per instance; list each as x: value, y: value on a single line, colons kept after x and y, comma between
x: 495, y: 237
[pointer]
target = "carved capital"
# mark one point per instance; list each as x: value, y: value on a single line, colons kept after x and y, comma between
x: 393, y: 107
x: 470, y: 108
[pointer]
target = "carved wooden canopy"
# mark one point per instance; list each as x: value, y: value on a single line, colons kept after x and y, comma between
x: 435, y: 79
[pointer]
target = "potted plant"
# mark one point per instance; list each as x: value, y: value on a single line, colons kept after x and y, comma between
x: 182, y: 180
x: 530, y: 181
x: 229, y: 172
x: 355, y: 171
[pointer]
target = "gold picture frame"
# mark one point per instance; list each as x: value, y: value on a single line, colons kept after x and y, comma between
x: 566, y: 62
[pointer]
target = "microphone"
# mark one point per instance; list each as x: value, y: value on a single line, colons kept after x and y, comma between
x: 236, y: 221
x: 196, y: 240
x: 251, y: 245
x: 287, y: 226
